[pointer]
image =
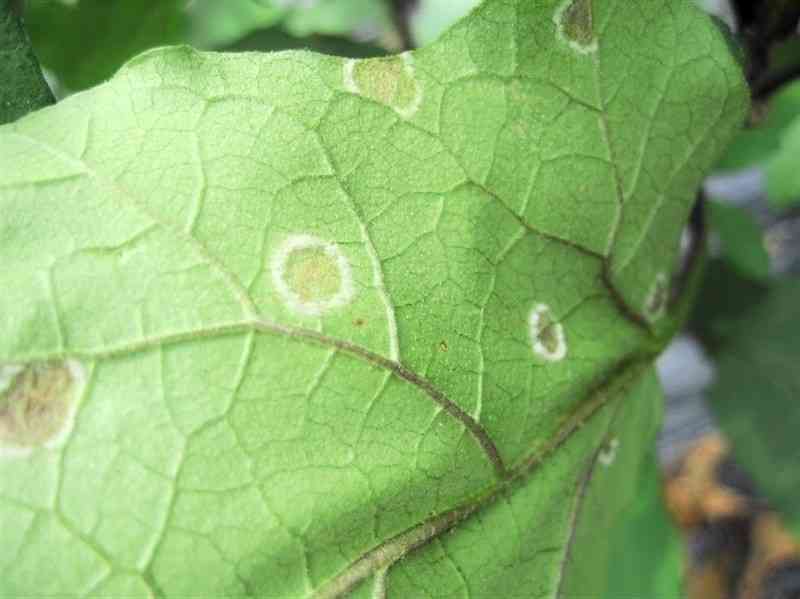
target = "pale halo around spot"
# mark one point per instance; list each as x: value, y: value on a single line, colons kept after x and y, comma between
x: 350, y: 76
x: 536, y: 329
x: 279, y: 261
x: 654, y: 306
x: 78, y: 373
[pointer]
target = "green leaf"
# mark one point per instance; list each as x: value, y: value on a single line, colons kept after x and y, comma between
x: 366, y: 18
x: 742, y: 239
x: 24, y: 88
x: 758, y: 145
x: 724, y: 299
x: 783, y: 169
x: 757, y: 389
x: 85, y: 42
x: 647, y: 554
x: 214, y: 24
x: 272, y: 322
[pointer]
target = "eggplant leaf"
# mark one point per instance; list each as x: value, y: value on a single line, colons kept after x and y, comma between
x: 291, y: 325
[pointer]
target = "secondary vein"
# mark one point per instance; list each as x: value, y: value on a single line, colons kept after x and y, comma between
x: 481, y: 437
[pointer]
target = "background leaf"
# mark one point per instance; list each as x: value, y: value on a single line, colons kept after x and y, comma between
x: 432, y: 17
x: 783, y: 174
x: 85, y: 42
x: 741, y: 238
x: 566, y: 554
x: 317, y: 314
x: 363, y: 18
x: 757, y: 352
x: 214, y: 24
x: 24, y: 88
x: 758, y: 145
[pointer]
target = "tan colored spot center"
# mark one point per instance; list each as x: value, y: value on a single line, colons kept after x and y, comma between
x: 389, y: 81
x: 35, y: 404
x: 313, y: 275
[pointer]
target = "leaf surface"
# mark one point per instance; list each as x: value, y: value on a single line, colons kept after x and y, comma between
x: 647, y: 551
x: 272, y: 322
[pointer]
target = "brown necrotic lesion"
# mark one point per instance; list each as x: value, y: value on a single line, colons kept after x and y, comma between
x: 574, y: 21
x: 35, y: 403
x: 578, y: 22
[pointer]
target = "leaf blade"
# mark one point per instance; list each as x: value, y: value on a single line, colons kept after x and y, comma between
x: 285, y: 265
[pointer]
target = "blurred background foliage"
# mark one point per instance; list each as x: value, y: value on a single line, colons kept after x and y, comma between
x: 83, y: 42
x: 747, y: 317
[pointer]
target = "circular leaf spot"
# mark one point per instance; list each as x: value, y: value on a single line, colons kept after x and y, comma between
x: 312, y: 275
x: 37, y: 403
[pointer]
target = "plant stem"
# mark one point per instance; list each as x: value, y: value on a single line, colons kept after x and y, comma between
x: 22, y: 85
